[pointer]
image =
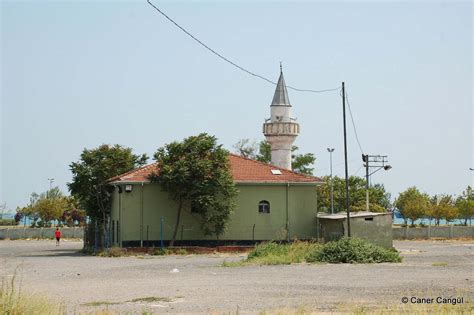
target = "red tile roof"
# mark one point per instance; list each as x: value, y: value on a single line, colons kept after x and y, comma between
x: 244, y: 170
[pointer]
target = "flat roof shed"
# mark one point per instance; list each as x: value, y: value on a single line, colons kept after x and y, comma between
x: 372, y: 226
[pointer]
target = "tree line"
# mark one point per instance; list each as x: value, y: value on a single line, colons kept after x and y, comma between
x: 196, y: 174
x: 413, y: 205
x: 49, y: 206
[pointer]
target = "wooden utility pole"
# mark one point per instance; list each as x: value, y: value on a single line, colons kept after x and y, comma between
x: 345, y: 161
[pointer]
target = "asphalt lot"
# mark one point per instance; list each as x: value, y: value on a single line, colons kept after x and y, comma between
x: 430, y: 269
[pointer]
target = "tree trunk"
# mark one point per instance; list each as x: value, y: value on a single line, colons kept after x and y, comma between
x: 176, y: 226
x: 105, y: 238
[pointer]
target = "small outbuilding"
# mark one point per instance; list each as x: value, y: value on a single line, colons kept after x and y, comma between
x: 371, y: 226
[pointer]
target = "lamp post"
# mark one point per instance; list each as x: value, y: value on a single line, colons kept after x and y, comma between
x: 51, y: 180
x: 379, y: 161
x: 331, y: 150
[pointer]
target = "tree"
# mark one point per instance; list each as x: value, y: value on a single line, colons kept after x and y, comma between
x: 3, y: 207
x: 29, y: 210
x: 262, y: 152
x: 46, y: 206
x: 196, y: 173
x: 89, y: 177
x: 412, y: 204
x: 246, y: 148
x: 73, y: 214
x: 379, y: 197
x: 442, y: 207
x: 465, y: 205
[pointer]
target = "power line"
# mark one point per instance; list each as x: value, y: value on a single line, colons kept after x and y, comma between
x: 231, y: 62
x: 353, y: 124
x: 334, y: 165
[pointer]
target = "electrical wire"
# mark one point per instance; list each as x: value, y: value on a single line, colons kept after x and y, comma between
x: 353, y: 124
x: 230, y: 61
x: 334, y: 165
x: 357, y: 172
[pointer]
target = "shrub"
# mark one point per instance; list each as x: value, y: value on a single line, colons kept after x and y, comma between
x: 6, y: 222
x: 266, y: 249
x: 161, y: 252
x: 181, y: 251
x: 113, y: 252
x: 272, y: 253
x: 353, y: 250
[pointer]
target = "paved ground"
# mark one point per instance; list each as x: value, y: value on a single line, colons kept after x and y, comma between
x: 430, y: 269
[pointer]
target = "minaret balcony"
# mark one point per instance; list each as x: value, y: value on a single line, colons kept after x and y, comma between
x: 281, y: 129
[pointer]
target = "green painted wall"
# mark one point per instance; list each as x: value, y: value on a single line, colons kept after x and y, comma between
x: 139, y: 213
x: 377, y: 231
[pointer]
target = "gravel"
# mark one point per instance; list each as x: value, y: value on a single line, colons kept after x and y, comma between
x: 198, y: 283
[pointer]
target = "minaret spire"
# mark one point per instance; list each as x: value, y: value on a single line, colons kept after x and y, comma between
x: 281, y: 94
x: 282, y: 130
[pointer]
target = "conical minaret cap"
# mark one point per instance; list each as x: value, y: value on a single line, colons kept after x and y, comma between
x: 281, y: 94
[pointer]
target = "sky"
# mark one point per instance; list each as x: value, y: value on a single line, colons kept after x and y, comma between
x: 77, y: 74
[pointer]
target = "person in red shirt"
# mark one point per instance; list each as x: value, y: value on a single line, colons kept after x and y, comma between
x: 57, y: 233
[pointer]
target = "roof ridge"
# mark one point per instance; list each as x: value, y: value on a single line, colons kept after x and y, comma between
x: 274, y: 166
x: 131, y: 171
x: 142, y: 173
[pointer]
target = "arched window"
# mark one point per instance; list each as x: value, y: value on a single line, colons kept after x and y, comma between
x: 264, y: 206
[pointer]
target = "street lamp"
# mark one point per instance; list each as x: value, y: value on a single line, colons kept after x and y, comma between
x: 51, y: 181
x: 379, y: 161
x: 331, y: 150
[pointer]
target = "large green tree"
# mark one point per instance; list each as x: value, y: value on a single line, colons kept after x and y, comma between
x: 412, y: 204
x: 379, y: 198
x: 196, y: 174
x: 89, y: 177
x: 465, y: 205
x: 261, y: 151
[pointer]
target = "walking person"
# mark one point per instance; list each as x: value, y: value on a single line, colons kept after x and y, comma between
x: 57, y: 233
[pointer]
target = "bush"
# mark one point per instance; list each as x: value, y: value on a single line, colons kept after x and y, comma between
x: 113, y: 252
x: 353, y: 250
x: 161, y: 252
x: 6, y: 222
x: 181, y: 251
x: 266, y: 249
x: 279, y: 254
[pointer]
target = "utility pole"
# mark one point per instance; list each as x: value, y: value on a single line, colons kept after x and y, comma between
x: 331, y: 150
x: 365, y: 158
x: 345, y: 161
x: 378, y: 162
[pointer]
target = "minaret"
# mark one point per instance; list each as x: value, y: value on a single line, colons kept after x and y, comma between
x: 280, y: 129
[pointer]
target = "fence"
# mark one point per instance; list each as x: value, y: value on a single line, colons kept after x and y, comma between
x: 451, y: 231
x: 399, y: 233
x: 22, y: 233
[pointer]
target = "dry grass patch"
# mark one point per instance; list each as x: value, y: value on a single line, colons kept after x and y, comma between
x: 14, y: 302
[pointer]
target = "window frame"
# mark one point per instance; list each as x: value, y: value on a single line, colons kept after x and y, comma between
x: 264, y: 207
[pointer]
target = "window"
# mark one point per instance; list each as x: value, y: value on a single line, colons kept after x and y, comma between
x: 264, y: 206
